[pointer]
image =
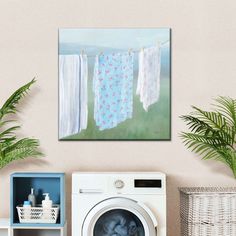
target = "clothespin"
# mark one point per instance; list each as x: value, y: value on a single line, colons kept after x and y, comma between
x: 82, y: 52
x: 158, y: 44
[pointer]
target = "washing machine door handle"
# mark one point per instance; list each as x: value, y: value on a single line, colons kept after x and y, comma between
x: 150, y: 213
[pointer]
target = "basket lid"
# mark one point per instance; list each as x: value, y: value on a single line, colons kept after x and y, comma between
x: 207, y: 190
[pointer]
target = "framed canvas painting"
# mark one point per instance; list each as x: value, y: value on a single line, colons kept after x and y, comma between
x: 114, y: 84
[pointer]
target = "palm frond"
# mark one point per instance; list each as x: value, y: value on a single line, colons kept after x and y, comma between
x: 21, y: 149
x: 227, y: 106
x: 213, y: 119
x: 194, y: 141
x: 196, y: 125
x: 2, y: 123
x: 8, y: 133
x: 204, y: 127
x: 212, y: 134
x: 201, y: 146
x: 12, y: 148
x: 227, y: 155
x: 10, y: 105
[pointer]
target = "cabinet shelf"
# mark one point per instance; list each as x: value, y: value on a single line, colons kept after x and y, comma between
x: 39, y: 231
x: 5, y: 227
x: 52, y: 183
x: 7, y: 230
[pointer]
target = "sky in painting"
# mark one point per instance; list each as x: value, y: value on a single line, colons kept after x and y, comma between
x: 114, y: 38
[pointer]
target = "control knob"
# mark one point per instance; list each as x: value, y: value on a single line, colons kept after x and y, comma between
x: 119, y: 184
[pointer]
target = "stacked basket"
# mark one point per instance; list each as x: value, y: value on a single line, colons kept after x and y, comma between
x: 208, y: 211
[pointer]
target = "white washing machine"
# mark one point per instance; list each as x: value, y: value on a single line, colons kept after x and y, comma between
x: 118, y: 204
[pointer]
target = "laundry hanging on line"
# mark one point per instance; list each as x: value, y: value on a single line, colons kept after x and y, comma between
x: 148, y: 85
x: 113, y: 89
x: 73, y: 76
x: 112, y: 86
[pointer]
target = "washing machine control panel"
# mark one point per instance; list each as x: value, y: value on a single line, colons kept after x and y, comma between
x: 119, y: 184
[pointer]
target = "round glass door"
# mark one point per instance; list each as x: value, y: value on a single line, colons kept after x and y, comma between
x: 119, y: 217
x: 118, y: 222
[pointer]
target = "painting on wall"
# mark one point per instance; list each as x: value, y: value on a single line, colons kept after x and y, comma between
x: 114, y: 84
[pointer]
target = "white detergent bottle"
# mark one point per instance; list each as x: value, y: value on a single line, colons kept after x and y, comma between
x: 47, y: 205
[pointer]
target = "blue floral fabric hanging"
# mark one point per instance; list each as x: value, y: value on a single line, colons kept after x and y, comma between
x: 113, y: 89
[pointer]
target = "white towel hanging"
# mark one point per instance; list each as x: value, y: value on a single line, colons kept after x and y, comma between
x: 73, y: 75
x: 148, y: 85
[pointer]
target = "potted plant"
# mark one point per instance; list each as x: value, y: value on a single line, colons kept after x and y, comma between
x: 11, y: 147
x: 213, y: 133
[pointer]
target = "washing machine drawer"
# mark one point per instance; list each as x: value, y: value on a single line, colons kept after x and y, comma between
x: 119, y: 216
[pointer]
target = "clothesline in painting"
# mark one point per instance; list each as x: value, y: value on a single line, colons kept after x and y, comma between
x: 112, y: 88
x: 130, y: 49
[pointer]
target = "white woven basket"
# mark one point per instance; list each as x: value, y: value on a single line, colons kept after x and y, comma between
x: 38, y: 214
x: 208, y: 211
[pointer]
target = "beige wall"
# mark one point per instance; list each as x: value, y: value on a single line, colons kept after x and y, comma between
x: 203, y: 66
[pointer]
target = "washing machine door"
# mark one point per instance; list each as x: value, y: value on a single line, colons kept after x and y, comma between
x: 119, y: 216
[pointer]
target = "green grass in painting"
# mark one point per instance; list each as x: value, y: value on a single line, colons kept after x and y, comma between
x: 154, y: 124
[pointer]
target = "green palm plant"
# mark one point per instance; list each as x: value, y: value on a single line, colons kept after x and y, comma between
x: 11, y: 147
x: 213, y: 134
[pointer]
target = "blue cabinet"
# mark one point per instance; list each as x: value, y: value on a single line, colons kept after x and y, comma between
x: 52, y: 183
